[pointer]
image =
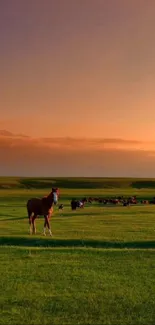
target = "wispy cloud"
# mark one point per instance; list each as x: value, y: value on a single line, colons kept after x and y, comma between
x: 74, y: 144
x: 6, y: 133
x: 75, y: 157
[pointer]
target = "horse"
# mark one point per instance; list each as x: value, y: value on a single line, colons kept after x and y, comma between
x: 44, y: 206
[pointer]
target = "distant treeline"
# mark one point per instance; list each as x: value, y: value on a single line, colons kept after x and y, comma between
x: 75, y: 183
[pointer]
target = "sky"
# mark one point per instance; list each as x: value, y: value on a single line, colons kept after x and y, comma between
x: 77, y: 88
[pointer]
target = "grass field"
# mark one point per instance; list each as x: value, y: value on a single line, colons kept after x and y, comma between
x: 99, y: 267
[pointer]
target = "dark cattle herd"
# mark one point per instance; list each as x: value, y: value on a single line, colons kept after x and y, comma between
x: 120, y: 200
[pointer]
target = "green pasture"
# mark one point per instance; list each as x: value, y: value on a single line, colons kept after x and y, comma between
x: 98, y: 268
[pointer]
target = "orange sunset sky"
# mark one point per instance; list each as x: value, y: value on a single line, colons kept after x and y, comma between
x: 77, y: 88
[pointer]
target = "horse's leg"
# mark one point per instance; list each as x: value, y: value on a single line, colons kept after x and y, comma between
x: 33, y: 224
x: 47, y: 223
x: 30, y: 221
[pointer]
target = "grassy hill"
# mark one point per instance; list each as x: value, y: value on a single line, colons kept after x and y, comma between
x: 75, y: 183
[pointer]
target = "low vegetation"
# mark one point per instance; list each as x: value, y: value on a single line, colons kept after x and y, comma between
x: 76, y: 183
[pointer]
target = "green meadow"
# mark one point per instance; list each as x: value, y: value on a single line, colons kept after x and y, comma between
x: 99, y: 266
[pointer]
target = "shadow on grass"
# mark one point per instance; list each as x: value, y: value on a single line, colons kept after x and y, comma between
x: 4, y: 217
x: 89, y: 243
x: 85, y: 213
x: 59, y: 214
x: 13, y: 219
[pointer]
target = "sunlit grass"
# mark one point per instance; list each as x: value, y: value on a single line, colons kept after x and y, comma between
x: 99, y: 267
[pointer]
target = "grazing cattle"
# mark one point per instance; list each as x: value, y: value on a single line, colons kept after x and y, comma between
x: 61, y: 206
x: 73, y: 204
x: 80, y: 204
x: 84, y: 200
x: 145, y: 202
x: 126, y: 203
x: 77, y: 204
x: 44, y: 206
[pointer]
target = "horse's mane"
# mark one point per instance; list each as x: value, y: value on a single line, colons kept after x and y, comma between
x: 48, y: 200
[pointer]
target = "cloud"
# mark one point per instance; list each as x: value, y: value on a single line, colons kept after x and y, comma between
x: 94, y: 143
x: 118, y: 141
x: 74, y: 157
x: 24, y: 142
x: 73, y: 143
x: 5, y: 133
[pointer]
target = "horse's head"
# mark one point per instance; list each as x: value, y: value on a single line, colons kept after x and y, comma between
x: 55, y: 192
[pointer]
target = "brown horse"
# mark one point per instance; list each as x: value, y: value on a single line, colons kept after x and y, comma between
x: 44, y: 206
